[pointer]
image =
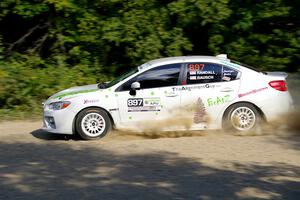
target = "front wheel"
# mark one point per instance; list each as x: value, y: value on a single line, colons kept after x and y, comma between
x: 241, y: 117
x: 92, y: 123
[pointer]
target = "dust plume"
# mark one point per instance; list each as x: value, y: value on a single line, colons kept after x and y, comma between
x: 133, y: 135
x: 181, y: 119
x: 293, y: 83
x: 289, y: 123
x: 178, y: 124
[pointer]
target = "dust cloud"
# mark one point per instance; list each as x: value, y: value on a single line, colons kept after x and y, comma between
x: 178, y: 124
x: 290, y: 122
x: 182, y: 118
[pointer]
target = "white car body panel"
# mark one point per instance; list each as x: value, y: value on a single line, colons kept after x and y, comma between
x: 216, y: 97
x: 162, y: 99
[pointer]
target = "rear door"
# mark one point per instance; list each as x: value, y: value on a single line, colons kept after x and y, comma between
x: 210, y: 87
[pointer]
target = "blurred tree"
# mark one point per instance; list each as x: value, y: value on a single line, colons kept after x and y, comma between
x: 265, y: 34
x: 48, y: 45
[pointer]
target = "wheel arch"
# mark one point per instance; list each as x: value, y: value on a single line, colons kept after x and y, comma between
x: 96, y: 107
x: 261, y: 113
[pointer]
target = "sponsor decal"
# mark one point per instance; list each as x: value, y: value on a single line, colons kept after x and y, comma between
x: 231, y: 64
x: 252, y: 92
x: 200, y: 112
x: 228, y: 72
x: 226, y: 78
x: 90, y: 101
x: 192, y: 87
x: 218, y: 100
x: 143, y: 104
x: 73, y: 93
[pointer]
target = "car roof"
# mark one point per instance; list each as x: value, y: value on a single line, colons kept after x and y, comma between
x: 170, y: 60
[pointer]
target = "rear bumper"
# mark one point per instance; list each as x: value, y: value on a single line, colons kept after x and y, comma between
x: 279, y: 106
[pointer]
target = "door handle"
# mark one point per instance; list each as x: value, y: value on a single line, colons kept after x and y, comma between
x: 226, y: 89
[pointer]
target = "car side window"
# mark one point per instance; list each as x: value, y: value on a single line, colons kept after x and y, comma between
x: 203, y: 73
x: 162, y: 76
x: 229, y: 74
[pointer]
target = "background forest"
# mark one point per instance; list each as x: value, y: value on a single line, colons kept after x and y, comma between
x: 49, y: 45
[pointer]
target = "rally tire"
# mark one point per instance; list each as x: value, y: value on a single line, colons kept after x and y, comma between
x: 92, y: 124
x: 242, y: 118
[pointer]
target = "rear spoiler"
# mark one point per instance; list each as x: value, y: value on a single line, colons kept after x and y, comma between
x: 278, y: 74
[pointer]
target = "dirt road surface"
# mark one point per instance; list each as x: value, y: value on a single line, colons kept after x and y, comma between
x: 39, y: 165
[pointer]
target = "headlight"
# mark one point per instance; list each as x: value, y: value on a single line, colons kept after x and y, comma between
x: 59, y: 105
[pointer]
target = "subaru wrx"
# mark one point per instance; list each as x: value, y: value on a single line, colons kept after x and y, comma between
x: 223, y: 93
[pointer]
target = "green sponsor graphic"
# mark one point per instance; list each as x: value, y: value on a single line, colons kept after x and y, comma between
x: 231, y: 64
x: 151, y: 101
x: 73, y: 93
x: 218, y: 100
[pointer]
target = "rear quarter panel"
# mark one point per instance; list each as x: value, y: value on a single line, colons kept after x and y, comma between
x: 255, y: 89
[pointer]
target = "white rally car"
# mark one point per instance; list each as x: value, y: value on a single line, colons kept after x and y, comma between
x: 216, y: 92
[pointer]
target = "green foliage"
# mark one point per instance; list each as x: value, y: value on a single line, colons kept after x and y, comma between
x: 56, y: 44
x: 25, y: 81
x: 262, y: 34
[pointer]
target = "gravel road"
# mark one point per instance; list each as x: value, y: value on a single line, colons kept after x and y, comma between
x: 212, y: 165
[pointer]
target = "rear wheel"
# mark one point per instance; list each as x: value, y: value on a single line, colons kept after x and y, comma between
x: 241, y: 117
x: 92, y: 123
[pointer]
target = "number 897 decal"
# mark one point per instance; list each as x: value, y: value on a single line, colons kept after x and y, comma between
x: 135, y: 102
x: 143, y: 105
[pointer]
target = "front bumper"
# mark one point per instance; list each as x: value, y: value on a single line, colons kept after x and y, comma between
x: 58, y: 121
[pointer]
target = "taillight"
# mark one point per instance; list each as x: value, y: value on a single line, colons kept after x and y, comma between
x: 279, y: 85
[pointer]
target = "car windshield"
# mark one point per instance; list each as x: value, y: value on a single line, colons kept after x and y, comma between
x: 117, y: 80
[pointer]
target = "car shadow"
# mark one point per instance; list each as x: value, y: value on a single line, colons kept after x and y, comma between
x: 44, y: 135
x: 60, y: 171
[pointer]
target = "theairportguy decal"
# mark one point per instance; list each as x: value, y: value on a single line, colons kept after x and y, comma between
x: 143, y: 104
x: 192, y: 87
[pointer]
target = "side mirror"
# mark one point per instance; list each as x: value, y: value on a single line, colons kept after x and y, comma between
x: 134, y: 87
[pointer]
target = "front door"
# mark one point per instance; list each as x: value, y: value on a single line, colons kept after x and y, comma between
x: 154, y: 102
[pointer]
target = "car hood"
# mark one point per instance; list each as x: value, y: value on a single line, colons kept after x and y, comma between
x: 74, y: 91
